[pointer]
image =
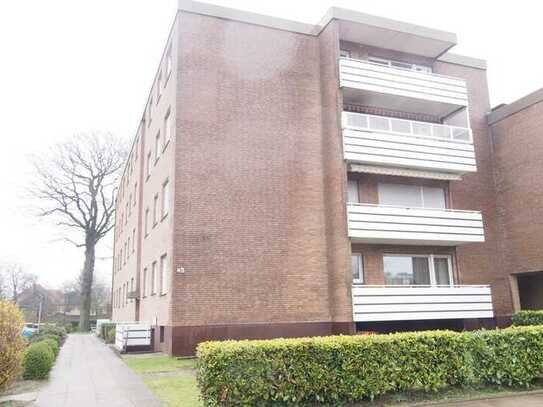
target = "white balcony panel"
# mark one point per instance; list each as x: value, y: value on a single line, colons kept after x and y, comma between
x: 394, y: 143
x: 401, y: 303
x: 398, y: 89
x: 413, y: 226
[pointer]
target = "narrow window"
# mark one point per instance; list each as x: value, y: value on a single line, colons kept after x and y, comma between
x: 146, y: 221
x: 132, y: 284
x: 357, y: 267
x: 129, y: 204
x: 168, y: 62
x: 135, y: 193
x: 159, y: 87
x: 153, y: 278
x: 155, y: 210
x: 168, y: 128
x: 148, y: 172
x: 144, y: 283
x: 163, y: 274
x: 128, y: 251
x: 157, y: 146
x: 165, y: 198
x: 149, y: 118
x: 162, y: 334
x: 353, y: 195
x: 133, y: 240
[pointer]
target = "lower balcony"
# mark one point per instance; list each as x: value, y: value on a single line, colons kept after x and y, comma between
x: 408, y: 303
x: 382, y: 224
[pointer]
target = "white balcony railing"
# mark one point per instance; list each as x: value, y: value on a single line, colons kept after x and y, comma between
x: 419, y: 92
x: 390, y: 142
x: 386, y: 224
x: 401, y: 303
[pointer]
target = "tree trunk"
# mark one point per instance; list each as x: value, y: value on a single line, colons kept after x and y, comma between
x: 86, y: 284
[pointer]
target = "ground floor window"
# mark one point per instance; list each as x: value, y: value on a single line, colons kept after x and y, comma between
x: 357, y: 267
x: 406, y: 269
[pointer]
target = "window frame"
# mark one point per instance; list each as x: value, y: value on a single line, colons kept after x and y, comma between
x: 420, y: 193
x: 163, y: 274
x: 167, y: 129
x: 360, y: 256
x: 144, y: 283
x: 153, y: 277
x: 431, y: 268
x: 165, y: 201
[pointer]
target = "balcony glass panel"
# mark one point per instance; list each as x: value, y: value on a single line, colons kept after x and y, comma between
x: 440, y: 131
x: 379, y: 123
x: 459, y: 133
x: 400, y: 126
x: 422, y: 129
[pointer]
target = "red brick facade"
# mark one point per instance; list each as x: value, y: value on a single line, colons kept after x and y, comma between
x: 256, y: 235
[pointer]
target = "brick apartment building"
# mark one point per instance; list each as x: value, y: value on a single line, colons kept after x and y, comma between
x: 289, y: 179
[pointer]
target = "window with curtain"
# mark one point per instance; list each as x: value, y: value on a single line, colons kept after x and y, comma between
x: 357, y: 268
x: 417, y: 269
x: 415, y: 196
x: 353, y: 195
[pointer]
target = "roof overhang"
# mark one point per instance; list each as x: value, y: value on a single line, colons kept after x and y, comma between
x: 395, y: 35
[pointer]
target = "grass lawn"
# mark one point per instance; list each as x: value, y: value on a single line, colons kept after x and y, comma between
x: 173, y: 381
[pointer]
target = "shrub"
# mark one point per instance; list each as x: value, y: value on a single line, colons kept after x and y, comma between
x: 54, y: 330
x: 342, y: 369
x: 110, y: 335
x: 41, y: 336
x: 105, y: 328
x: 53, y: 345
x: 12, y: 344
x: 38, y: 361
x: 528, y: 318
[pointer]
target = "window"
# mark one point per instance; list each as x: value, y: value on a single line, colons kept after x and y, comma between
x: 155, y: 210
x: 400, y: 65
x: 127, y: 213
x: 162, y: 334
x: 132, y: 284
x: 129, y: 204
x: 146, y: 221
x: 165, y: 198
x: 417, y: 269
x: 168, y: 128
x: 125, y: 253
x: 144, y: 283
x: 149, y: 111
x: 411, y: 195
x: 128, y: 251
x: 126, y: 293
x: 168, y: 62
x: 157, y: 146
x: 133, y: 240
x: 357, y: 267
x: 153, y: 278
x: 148, y: 171
x: 163, y: 274
x: 159, y: 86
x: 352, y: 191
x: 123, y: 295
x: 135, y: 193
x: 344, y: 53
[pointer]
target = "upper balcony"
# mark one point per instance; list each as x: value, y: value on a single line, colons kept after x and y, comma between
x: 371, y: 84
x: 390, y: 142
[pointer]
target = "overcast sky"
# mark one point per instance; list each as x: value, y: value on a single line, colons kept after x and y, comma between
x: 70, y: 66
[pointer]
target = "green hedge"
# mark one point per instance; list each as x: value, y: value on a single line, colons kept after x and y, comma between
x: 528, y: 318
x: 38, y: 361
x: 105, y: 332
x: 342, y: 369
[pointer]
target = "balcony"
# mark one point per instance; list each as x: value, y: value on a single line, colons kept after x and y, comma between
x: 384, y: 224
x: 389, y: 142
x: 371, y: 84
x: 403, y: 303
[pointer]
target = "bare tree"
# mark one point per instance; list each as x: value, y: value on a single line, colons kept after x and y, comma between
x: 14, y: 280
x: 76, y: 184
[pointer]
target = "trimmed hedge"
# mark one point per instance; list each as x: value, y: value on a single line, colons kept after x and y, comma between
x: 342, y: 369
x: 528, y: 318
x: 38, y: 361
x: 105, y: 332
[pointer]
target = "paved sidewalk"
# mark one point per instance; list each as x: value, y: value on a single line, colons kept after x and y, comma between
x: 88, y: 374
x: 527, y: 400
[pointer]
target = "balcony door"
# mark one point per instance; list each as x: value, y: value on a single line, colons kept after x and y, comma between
x: 413, y: 196
x: 407, y: 269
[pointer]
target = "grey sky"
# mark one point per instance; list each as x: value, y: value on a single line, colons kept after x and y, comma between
x: 79, y: 66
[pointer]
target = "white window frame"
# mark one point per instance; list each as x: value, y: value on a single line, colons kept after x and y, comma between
x: 163, y: 274
x: 168, y: 126
x: 149, y: 166
x: 360, y: 267
x: 169, y: 63
x: 147, y: 212
x: 165, y: 208
x: 157, y: 146
x: 155, y: 210
x: 421, y: 192
x: 353, y: 183
x: 431, y: 267
x: 390, y: 62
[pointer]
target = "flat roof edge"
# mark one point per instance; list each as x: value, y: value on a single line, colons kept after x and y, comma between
x: 227, y: 13
x: 463, y: 60
x: 386, y: 23
x: 515, y: 107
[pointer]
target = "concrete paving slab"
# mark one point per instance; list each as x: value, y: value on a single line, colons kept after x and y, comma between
x: 88, y: 374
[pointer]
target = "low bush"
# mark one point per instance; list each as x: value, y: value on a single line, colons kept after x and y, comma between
x: 53, y: 345
x: 110, y: 335
x: 38, y: 361
x: 528, y: 318
x: 41, y: 336
x: 54, y: 330
x: 343, y: 369
x: 12, y: 344
x: 105, y: 328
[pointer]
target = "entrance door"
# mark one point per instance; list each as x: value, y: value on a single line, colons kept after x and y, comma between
x: 530, y: 290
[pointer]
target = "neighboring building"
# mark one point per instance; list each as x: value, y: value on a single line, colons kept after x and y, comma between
x: 36, y: 299
x: 517, y: 136
x: 289, y: 179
